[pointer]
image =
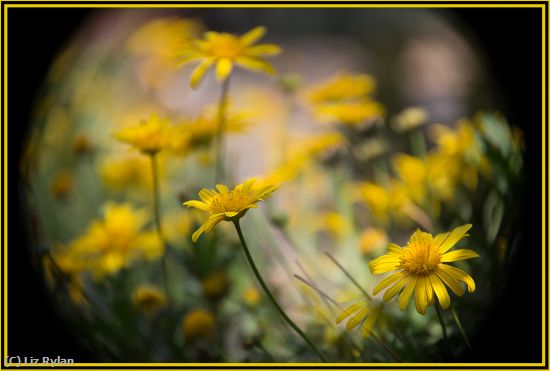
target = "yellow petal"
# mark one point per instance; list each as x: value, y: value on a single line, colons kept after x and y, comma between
x: 222, y: 189
x: 420, y: 299
x: 447, y: 240
x: 231, y: 214
x: 197, y: 204
x: 253, y: 35
x: 197, y: 233
x: 207, y: 194
x: 440, y: 291
x: 451, y: 282
x: 366, y: 329
x: 199, y: 71
x: 263, y: 49
x: 387, y: 282
x: 395, y: 289
x: 460, y: 254
x: 394, y: 249
x: 384, y: 263
x: 349, y: 311
x: 459, y: 275
x: 357, y: 318
x: 223, y: 68
x: 405, y: 296
x: 255, y: 64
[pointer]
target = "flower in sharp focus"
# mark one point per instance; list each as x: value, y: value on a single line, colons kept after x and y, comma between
x: 148, y: 299
x: 229, y: 205
x: 225, y: 50
x: 421, y: 268
x: 149, y: 136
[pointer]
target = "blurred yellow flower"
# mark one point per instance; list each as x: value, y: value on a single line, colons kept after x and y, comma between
x: 334, y: 223
x: 62, y: 184
x: 251, y: 296
x: 200, y: 132
x: 362, y: 113
x: 150, y: 136
x: 215, y: 285
x: 421, y: 268
x: 229, y: 205
x: 342, y: 86
x: 224, y: 50
x: 362, y: 312
x: 383, y: 202
x: 409, y: 118
x: 123, y: 173
x: 372, y: 239
x: 117, y: 240
x: 198, y: 324
x: 61, y: 266
x: 82, y: 145
x: 148, y: 299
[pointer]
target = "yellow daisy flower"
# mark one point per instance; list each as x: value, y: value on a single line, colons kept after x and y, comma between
x: 148, y: 299
x: 224, y: 50
x: 229, y: 205
x: 421, y: 269
x: 149, y: 136
x: 342, y: 86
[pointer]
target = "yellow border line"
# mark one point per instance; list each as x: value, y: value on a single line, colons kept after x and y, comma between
x: 251, y: 4
x: 256, y: 5
x: 5, y: 118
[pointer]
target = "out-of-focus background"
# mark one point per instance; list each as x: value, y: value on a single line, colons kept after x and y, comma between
x: 451, y: 63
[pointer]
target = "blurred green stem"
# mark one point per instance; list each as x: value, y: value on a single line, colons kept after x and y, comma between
x: 158, y: 223
x: 459, y: 325
x: 443, y: 328
x: 270, y: 296
x: 222, y: 105
x: 418, y: 143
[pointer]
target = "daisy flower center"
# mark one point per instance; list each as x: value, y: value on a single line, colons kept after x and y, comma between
x: 420, y: 258
x: 225, y: 46
x: 234, y: 200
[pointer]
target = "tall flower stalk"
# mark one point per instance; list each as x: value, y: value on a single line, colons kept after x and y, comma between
x: 231, y: 205
x: 220, y: 149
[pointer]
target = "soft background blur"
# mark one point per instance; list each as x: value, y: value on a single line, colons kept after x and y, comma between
x: 419, y: 59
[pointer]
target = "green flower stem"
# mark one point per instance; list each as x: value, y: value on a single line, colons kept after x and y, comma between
x: 459, y: 325
x: 222, y: 104
x: 440, y: 317
x: 418, y: 143
x: 158, y: 224
x: 270, y: 296
x: 348, y: 275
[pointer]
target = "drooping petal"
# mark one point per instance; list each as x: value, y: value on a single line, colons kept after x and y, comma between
x: 263, y: 49
x: 460, y: 254
x: 357, y: 318
x: 451, y: 282
x: 255, y: 64
x: 366, y: 329
x: 387, y: 282
x: 223, y: 68
x: 445, y: 241
x: 207, y: 226
x: 197, y: 233
x: 253, y: 35
x: 459, y: 275
x: 384, y: 263
x: 405, y: 296
x: 395, y: 289
x: 420, y: 298
x: 440, y: 291
x: 197, y: 204
x: 349, y: 311
x: 199, y: 71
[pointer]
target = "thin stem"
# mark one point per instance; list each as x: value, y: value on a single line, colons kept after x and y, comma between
x: 348, y: 275
x: 222, y: 104
x: 386, y: 348
x: 440, y: 317
x: 270, y: 296
x: 158, y: 223
x: 459, y: 325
